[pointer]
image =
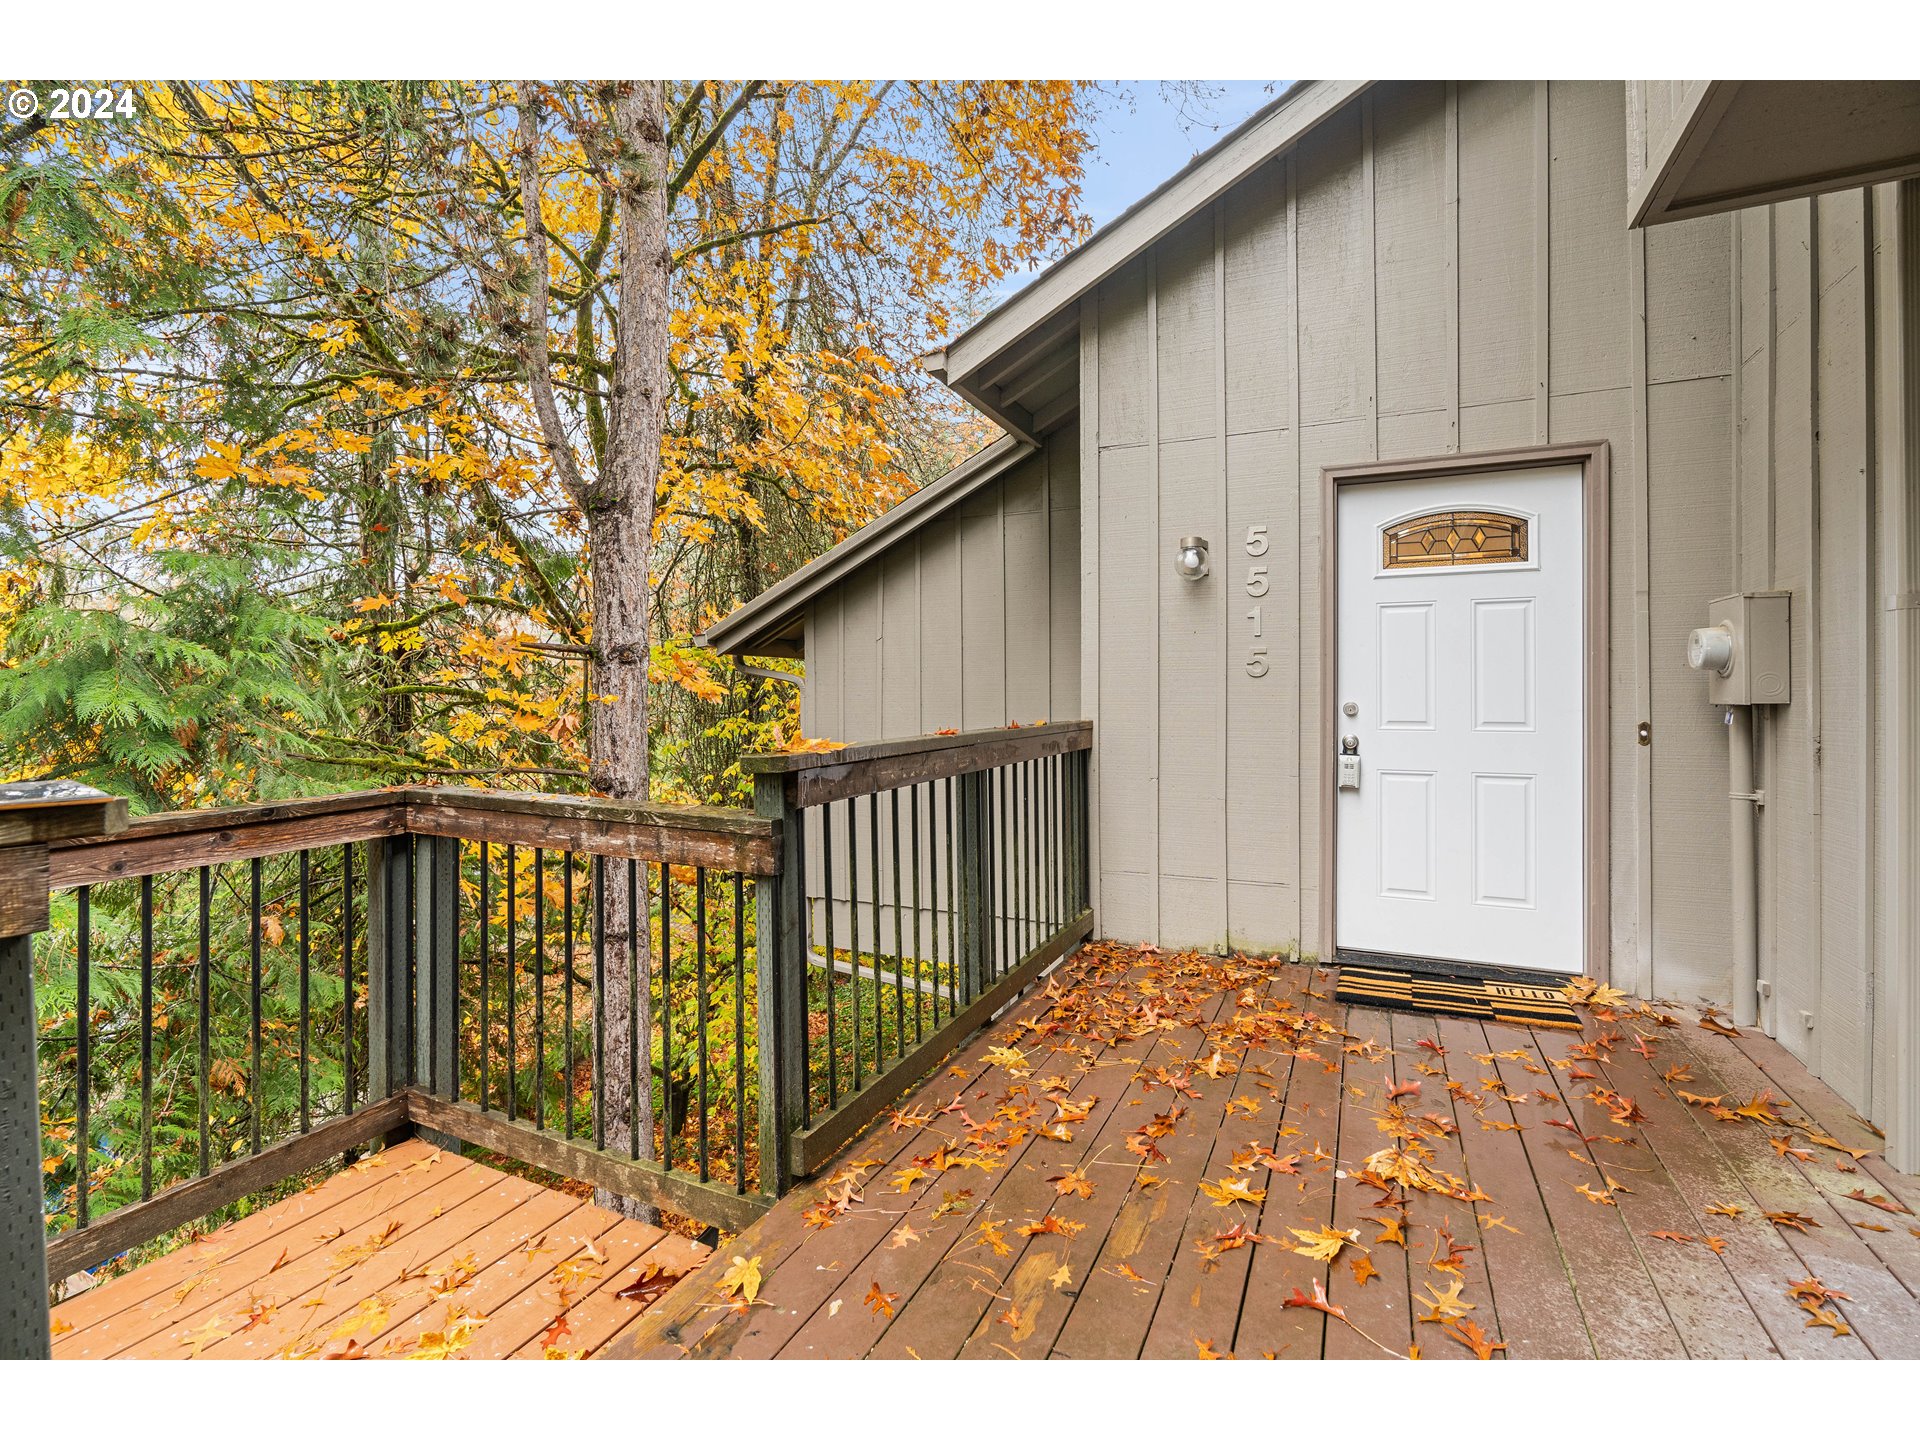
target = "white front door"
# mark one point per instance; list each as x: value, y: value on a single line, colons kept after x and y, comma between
x: 1460, y: 686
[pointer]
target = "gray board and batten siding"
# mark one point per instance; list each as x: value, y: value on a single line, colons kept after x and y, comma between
x: 1430, y: 269
x: 971, y: 622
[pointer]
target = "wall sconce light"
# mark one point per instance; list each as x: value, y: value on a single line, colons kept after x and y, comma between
x: 1190, y: 560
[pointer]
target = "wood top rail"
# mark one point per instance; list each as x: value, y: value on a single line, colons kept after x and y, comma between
x: 816, y: 777
x: 705, y: 835
x: 181, y: 839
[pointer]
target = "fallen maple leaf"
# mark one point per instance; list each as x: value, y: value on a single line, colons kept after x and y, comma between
x: 742, y: 1279
x: 1792, y: 1219
x: 1474, y: 1338
x: 879, y: 1301
x: 1207, y: 1352
x: 197, y: 1340
x: 1892, y: 1207
x: 1363, y: 1270
x: 1074, y: 1182
x: 1675, y: 1236
x: 652, y: 1283
x: 1323, y: 1244
x: 1317, y: 1301
x: 1829, y: 1318
x: 1727, y: 1210
x: 1815, y: 1289
x: 1230, y: 1191
x: 1443, y: 1305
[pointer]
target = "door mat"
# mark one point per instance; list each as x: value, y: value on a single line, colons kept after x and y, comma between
x: 1506, y: 1001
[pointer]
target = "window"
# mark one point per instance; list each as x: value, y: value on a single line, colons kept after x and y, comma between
x: 1454, y: 537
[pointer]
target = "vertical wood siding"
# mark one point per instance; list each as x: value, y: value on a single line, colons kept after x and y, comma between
x: 1443, y: 268
x: 973, y: 623
x: 1813, y: 330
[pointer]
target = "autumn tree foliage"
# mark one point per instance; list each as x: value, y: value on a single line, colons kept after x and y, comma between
x: 312, y: 394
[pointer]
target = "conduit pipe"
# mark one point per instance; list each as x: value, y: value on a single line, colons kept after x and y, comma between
x: 1743, y: 808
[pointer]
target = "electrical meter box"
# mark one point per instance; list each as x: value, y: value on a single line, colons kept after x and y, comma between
x: 1744, y: 649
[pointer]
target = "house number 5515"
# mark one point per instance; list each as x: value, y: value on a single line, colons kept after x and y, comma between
x: 1256, y: 587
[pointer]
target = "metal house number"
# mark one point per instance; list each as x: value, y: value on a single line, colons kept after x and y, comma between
x: 1256, y: 587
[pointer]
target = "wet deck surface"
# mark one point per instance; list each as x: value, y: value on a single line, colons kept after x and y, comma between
x: 1179, y: 1155
x: 411, y: 1253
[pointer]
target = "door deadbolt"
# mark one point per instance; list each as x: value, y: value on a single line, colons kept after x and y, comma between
x: 1349, y: 709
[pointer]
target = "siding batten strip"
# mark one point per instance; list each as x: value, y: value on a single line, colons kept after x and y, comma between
x: 1306, y: 800
x: 1152, y: 361
x: 1542, y: 260
x: 1228, y: 546
x: 1090, y: 581
x: 1450, y: 225
x: 1643, y: 978
x: 1369, y: 219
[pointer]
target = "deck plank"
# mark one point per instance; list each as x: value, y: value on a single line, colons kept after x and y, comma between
x: 1758, y: 1256
x: 1532, y: 1288
x: 1106, y: 1315
x: 1882, y: 1311
x: 1712, y: 1314
x: 1201, y: 1298
x: 407, y: 1201
x: 220, y: 1270
x: 265, y: 1226
x: 1444, y: 1239
x: 1308, y: 1126
x: 1836, y: 1175
x: 333, y: 1290
x: 953, y: 1278
x: 598, y: 1315
x: 1377, y: 1311
x: 1625, y: 1316
x: 689, y: 1322
x: 593, y: 1255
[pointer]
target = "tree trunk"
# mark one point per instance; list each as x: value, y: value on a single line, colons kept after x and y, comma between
x: 619, y: 514
x: 617, y: 501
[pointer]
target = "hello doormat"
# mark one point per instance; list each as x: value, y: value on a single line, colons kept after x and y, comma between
x: 1507, y: 1001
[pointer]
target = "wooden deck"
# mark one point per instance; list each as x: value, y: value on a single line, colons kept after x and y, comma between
x: 410, y: 1253
x: 1160, y: 1155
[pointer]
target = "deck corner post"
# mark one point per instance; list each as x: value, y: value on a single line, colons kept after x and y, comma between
x: 390, y: 881
x: 780, y: 945
x: 31, y: 814
x: 976, y: 871
x: 436, y: 927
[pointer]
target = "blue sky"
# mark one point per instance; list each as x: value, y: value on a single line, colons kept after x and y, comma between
x: 1149, y: 131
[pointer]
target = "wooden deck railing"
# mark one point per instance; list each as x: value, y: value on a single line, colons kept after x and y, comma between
x: 687, y: 1006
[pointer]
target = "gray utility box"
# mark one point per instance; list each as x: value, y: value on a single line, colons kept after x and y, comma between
x: 1757, y: 669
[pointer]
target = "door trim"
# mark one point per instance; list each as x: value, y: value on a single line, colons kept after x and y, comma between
x: 1594, y: 460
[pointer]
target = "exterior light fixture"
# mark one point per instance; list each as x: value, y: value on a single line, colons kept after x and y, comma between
x: 1190, y: 560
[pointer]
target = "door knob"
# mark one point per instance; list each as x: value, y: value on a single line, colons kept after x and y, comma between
x: 1349, y: 744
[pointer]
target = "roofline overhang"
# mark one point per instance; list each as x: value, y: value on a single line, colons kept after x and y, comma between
x: 1304, y: 105
x: 1705, y: 122
x: 764, y: 624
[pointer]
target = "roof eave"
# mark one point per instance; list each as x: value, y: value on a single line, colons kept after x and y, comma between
x: 764, y: 625
x: 1304, y: 105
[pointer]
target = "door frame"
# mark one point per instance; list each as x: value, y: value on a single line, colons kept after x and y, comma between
x: 1594, y: 459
